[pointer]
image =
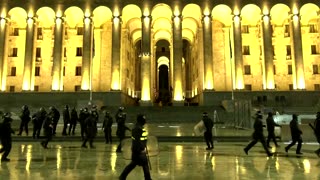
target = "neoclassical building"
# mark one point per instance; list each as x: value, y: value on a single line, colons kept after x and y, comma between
x: 155, y: 51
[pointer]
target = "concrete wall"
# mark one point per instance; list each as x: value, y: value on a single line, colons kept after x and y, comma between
x: 266, y: 98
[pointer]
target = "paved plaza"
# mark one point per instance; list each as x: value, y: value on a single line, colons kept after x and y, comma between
x: 172, y: 161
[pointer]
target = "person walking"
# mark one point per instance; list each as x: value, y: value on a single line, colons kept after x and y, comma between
x: 56, y: 116
x: 5, y: 137
x: 83, y: 114
x: 37, y: 120
x: 258, y: 136
x: 295, y: 134
x: 208, y: 124
x: 121, y: 129
x: 106, y: 126
x: 139, y: 150
x: 25, y: 119
x: 48, y: 130
x: 270, y: 127
x: 73, y: 121
x: 66, y: 120
x: 90, y: 130
x: 316, y: 130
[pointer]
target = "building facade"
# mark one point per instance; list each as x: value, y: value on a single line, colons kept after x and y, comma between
x: 166, y: 51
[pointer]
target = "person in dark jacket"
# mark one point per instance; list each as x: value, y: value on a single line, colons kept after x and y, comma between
x: 83, y: 114
x: 270, y: 127
x: 258, y: 136
x: 37, y: 120
x: 121, y: 129
x: 66, y: 120
x: 90, y: 130
x: 316, y: 129
x: 295, y: 135
x: 73, y: 120
x: 56, y: 116
x: 5, y: 137
x: 48, y: 130
x: 25, y: 119
x: 106, y: 126
x: 139, y: 150
x: 208, y: 124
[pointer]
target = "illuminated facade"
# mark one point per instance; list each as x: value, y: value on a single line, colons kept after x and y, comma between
x: 153, y: 49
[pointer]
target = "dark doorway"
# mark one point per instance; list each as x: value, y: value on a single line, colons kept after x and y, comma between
x: 164, y: 92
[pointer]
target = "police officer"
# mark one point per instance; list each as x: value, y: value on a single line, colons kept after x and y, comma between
x: 270, y: 127
x: 25, y: 119
x: 90, y: 130
x: 316, y: 129
x: 66, y: 120
x: 208, y: 123
x: 38, y: 119
x: 83, y: 114
x: 121, y: 129
x: 73, y: 120
x: 48, y: 130
x: 295, y: 134
x: 56, y: 116
x: 5, y: 134
x: 139, y: 150
x: 106, y: 126
x: 258, y: 136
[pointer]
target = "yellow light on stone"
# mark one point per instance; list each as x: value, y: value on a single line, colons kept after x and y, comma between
x: 178, y: 91
x: 115, y: 80
x: 145, y: 93
x: 85, y: 85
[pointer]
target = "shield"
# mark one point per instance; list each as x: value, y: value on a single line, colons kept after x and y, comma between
x: 199, y: 128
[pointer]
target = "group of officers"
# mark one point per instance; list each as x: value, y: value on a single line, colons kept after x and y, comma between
x: 296, y: 133
x: 88, y: 123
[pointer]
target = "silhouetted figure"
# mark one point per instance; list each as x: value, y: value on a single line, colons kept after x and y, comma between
x: 5, y: 136
x: 37, y: 120
x: 121, y: 129
x: 56, y: 116
x: 25, y: 119
x: 258, y: 136
x: 66, y: 120
x: 316, y: 129
x: 295, y: 134
x: 270, y: 127
x: 83, y: 114
x: 73, y: 120
x: 139, y: 150
x: 48, y: 130
x: 208, y: 124
x: 107, y: 124
x: 90, y: 130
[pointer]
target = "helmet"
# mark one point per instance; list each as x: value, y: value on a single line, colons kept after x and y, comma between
x: 121, y: 108
x: 141, y: 119
x: 205, y: 114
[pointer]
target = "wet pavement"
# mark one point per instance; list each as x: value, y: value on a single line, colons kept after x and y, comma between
x: 174, y: 161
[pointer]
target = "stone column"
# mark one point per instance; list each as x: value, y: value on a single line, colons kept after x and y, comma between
x: 116, y: 45
x: 268, y: 79
x: 57, y: 67
x: 229, y: 78
x: 29, y: 58
x: 3, y: 52
x: 177, y: 58
x: 87, y: 47
x: 146, y: 59
x: 298, y: 81
x: 239, y: 84
x: 207, y: 53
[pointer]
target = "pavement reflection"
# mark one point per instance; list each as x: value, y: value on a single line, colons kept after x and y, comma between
x: 66, y: 160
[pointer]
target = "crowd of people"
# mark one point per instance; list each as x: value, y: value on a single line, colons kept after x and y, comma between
x: 45, y: 124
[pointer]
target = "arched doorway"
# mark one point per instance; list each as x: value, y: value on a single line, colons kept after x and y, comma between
x: 164, y: 93
x: 163, y: 73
